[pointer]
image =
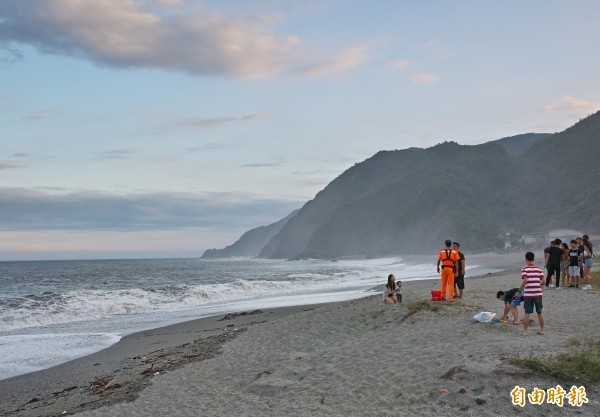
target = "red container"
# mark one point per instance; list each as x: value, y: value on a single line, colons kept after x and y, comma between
x: 436, y: 295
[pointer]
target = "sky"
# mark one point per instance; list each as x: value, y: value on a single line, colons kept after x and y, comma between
x: 161, y: 128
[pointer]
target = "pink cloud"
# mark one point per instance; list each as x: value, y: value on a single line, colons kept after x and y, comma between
x: 424, y: 78
x: 569, y: 103
x: 353, y: 57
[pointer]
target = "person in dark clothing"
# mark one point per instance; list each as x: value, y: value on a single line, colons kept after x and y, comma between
x: 580, y: 250
x: 574, y: 264
x: 459, y: 278
x: 587, y: 260
x: 553, y: 255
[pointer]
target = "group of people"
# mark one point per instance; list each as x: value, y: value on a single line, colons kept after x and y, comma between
x: 393, y: 291
x: 451, y: 263
x: 529, y: 293
x: 573, y: 262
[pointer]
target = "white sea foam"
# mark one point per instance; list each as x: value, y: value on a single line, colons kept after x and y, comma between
x: 28, y: 353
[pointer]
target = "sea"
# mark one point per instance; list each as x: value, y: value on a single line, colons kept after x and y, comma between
x: 55, y: 311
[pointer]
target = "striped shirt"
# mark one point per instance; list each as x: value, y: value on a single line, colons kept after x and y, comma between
x: 534, y: 277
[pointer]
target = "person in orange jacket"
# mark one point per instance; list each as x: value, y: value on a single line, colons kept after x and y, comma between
x: 447, y: 260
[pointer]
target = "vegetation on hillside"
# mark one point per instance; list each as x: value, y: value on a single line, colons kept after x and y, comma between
x: 409, y: 201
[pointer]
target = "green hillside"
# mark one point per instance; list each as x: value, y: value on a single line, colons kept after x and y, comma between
x: 408, y: 201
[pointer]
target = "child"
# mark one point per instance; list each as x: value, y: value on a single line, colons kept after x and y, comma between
x: 508, y: 298
x: 399, y: 291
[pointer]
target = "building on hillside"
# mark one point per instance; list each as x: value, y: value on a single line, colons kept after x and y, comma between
x: 564, y: 234
x: 535, y: 239
x: 543, y: 238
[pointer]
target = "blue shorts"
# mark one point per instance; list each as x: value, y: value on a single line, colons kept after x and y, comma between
x: 588, y: 262
x: 530, y: 303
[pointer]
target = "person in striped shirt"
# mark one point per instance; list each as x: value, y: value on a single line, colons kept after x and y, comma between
x: 531, y: 284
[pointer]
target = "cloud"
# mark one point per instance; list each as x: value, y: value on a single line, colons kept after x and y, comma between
x: 169, y: 35
x: 261, y: 165
x: 144, y: 113
x: 272, y: 161
x: 162, y: 161
x: 219, y: 121
x: 206, y: 121
x: 210, y: 146
x: 439, y: 50
x: 21, y: 155
x: 8, y: 54
x: 42, y: 114
x: 399, y: 64
x: 30, y: 209
x: 171, y: 3
x: 255, y: 117
x: 9, y: 165
x: 569, y: 103
x: 424, y: 78
x: 353, y: 57
x: 115, y: 154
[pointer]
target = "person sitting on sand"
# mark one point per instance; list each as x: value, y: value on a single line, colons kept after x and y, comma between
x: 399, y: 291
x: 509, y: 297
x: 532, y: 278
x: 389, y: 294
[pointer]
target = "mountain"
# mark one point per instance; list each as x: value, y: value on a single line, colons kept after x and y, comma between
x: 250, y: 243
x: 397, y: 202
x: 409, y: 201
x: 519, y: 144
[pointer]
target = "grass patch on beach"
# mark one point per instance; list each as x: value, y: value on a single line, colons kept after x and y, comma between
x: 423, y: 305
x: 581, y: 365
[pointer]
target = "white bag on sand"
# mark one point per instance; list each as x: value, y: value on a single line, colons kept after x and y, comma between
x: 484, y: 317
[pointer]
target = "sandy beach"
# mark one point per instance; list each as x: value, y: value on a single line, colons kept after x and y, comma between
x: 354, y: 358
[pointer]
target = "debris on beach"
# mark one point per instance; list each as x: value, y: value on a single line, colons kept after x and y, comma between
x: 450, y: 372
x: 34, y: 400
x: 102, y: 384
x: 56, y: 394
x: 231, y: 316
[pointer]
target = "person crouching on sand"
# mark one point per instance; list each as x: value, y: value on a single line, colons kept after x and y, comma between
x: 509, y: 298
x: 389, y: 294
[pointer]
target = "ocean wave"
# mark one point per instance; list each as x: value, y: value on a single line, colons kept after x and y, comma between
x: 50, y: 308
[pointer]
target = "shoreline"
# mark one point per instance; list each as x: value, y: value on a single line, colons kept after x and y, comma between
x: 171, y: 317
x: 195, y: 357
x: 40, y: 393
